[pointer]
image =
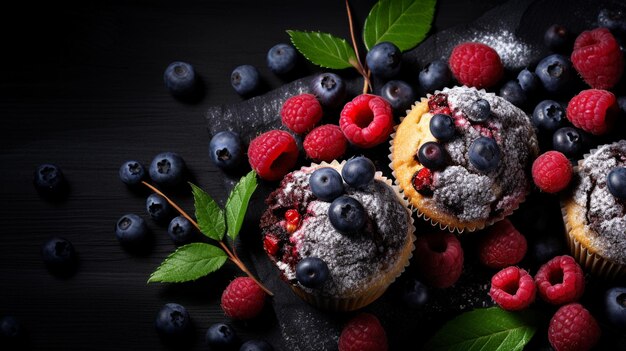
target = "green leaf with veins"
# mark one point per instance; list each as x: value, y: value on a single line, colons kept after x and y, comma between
x: 188, y: 263
x: 324, y: 49
x: 209, y: 215
x: 237, y: 203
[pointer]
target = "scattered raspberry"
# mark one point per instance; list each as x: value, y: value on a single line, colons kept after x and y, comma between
x: 560, y: 280
x: 270, y: 244
x: 243, y: 298
x: 573, y: 328
x: 598, y: 58
x: 292, y: 218
x: 476, y: 65
x: 273, y: 154
x: 363, y: 333
x: 513, y: 289
x: 367, y: 120
x: 439, y: 258
x: 502, y: 246
x: 593, y: 110
x: 423, y: 181
x: 325, y: 143
x: 552, y: 172
x: 301, y: 113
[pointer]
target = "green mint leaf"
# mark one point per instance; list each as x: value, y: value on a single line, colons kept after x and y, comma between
x: 209, y: 215
x: 405, y: 23
x: 189, y: 262
x: 324, y: 49
x: 487, y: 329
x: 237, y: 203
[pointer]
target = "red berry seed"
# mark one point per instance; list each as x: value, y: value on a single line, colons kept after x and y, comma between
x: 243, y: 298
x: 367, y: 120
x: 502, y: 246
x: 363, y: 333
x: 476, y: 65
x: 593, y: 111
x: 301, y: 113
x: 270, y: 244
x: 273, y: 154
x: 552, y: 172
x: 513, y: 289
x: 598, y: 58
x: 573, y: 328
x: 293, y: 220
x: 439, y: 258
x: 325, y: 143
x: 560, y: 280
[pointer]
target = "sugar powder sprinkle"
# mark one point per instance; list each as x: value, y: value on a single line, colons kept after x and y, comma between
x: 513, y: 52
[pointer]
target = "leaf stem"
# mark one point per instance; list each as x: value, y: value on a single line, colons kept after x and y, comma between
x: 361, y: 69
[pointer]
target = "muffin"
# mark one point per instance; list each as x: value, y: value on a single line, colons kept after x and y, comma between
x: 462, y: 157
x: 361, y: 264
x: 594, y: 217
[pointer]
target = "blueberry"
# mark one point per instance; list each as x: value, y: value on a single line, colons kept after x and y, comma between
x: 58, y: 253
x: 50, y: 181
x: 432, y: 155
x: 180, y: 230
x: 221, y: 336
x: 384, y: 60
x: 615, y: 306
x: 132, y: 172
x: 329, y: 89
x: 548, y: 115
x: 570, y: 141
x: 479, y: 111
x: 158, y: 208
x: 399, y: 94
x: 621, y: 102
x: 484, y: 154
x: 172, y: 320
x: 326, y: 184
x: 282, y: 58
x: 245, y: 79
x: 256, y: 345
x: 544, y: 248
x: 558, y: 38
x: 131, y: 229
x: 528, y: 81
x: 614, y: 20
x: 512, y: 92
x: 312, y: 272
x: 358, y: 172
x: 555, y: 72
x: 414, y: 294
x: 167, y: 169
x: 10, y: 329
x: 180, y: 78
x: 225, y: 150
x: 346, y: 214
x: 435, y: 76
x: 616, y: 182
x: 442, y: 127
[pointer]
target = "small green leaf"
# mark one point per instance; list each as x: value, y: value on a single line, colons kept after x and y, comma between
x: 324, y: 49
x: 405, y: 23
x: 237, y: 203
x: 189, y: 262
x: 487, y: 329
x: 209, y: 215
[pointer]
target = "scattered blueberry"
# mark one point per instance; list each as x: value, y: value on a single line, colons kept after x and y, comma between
x: 312, y: 272
x: 615, y: 306
x: 616, y: 182
x: 435, y: 76
x: 326, y: 184
x: 131, y: 229
x: 544, y: 248
x: 358, y: 172
x: 10, y: 329
x: 512, y: 92
x: 167, y: 169
x: 614, y: 20
x: 570, y: 141
x: 558, y: 38
x: 329, y: 89
x: 225, y: 150
x: 414, y: 294
x: 528, y: 81
x: 484, y: 154
x: 621, y: 102
x: 180, y: 78
x: 479, y: 111
x: 432, y: 155
x: 158, y: 208
x: 384, y: 60
x: 282, y: 58
x: 442, y: 127
x: 548, y: 115
x: 172, y: 320
x: 180, y: 230
x: 58, y: 253
x: 555, y: 72
x: 245, y: 79
x: 256, y: 345
x: 221, y: 336
x: 346, y: 214
x: 132, y: 172
x: 49, y: 180
x: 399, y: 94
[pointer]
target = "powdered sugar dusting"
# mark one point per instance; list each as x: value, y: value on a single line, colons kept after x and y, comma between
x: 308, y: 332
x: 513, y: 52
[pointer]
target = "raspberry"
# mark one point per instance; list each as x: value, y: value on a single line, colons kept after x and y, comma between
x: 439, y: 259
x: 560, y: 280
x: 513, y: 289
x: 423, y: 181
x: 325, y: 143
x: 270, y: 244
x: 367, y: 120
x: 292, y: 217
x: 573, y: 328
x: 552, y: 172
x: 476, y: 65
x: 502, y: 246
x: 301, y: 113
x: 273, y: 154
x: 363, y: 333
x: 593, y: 110
x: 598, y: 58
x: 243, y: 298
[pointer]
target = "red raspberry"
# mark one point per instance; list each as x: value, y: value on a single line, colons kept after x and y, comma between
x: 573, y: 328
x: 363, y: 333
x: 423, y: 181
x: 367, y: 120
x: 593, y: 110
x: 552, y: 172
x: 560, y: 280
x: 598, y: 58
x: 325, y: 143
x: 476, y: 65
x: 292, y: 217
x: 513, y: 289
x: 502, y: 246
x: 439, y: 258
x: 243, y: 298
x: 270, y: 244
x: 273, y: 154
x: 301, y: 113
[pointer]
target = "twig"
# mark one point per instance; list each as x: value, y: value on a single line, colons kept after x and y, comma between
x: 359, y: 67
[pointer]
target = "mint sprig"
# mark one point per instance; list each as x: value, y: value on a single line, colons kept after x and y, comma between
x: 188, y: 263
x: 209, y: 215
x: 237, y: 203
x: 323, y: 49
